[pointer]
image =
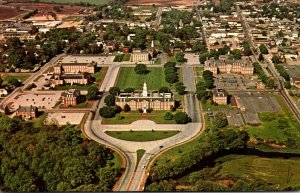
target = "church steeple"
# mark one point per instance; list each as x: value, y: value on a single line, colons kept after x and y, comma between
x: 145, y: 90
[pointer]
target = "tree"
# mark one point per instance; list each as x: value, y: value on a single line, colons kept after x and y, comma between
x: 107, y: 111
x: 236, y: 54
x: 126, y: 108
x: 141, y: 69
x: 169, y: 116
x: 220, y: 120
x: 260, y: 57
x: 263, y: 49
x: 56, y: 8
x: 180, y: 88
x: 114, y: 91
x: 275, y: 60
x: 110, y: 100
x: 164, y: 89
x: 207, y: 74
x: 180, y: 57
x: 92, y: 92
x: 287, y: 85
x: 182, y: 118
x: 170, y: 65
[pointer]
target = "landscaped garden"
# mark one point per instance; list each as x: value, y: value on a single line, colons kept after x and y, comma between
x: 141, y: 136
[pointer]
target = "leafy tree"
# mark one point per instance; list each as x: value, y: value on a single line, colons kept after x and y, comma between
x: 180, y: 57
x: 275, y: 60
x: 203, y: 57
x: 110, y: 100
x: 107, y: 111
x: 236, y: 54
x: 260, y: 57
x: 126, y: 108
x: 170, y: 65
x: 141, y: 69
x: 287, y: 85
x: 164, y: 89
x: 114, y: 91
x: 180, y: 88
x: 92, y: 92
x: 263, y: 49
x: 220, y: 120
x: 169, y: 116
x: 181, y: 118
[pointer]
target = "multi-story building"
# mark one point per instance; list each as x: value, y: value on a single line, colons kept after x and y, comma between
x: 139, y: 56
x: 145, y: 100
x: 71, y: 79
x: 229, y: 66
x: 70, y: 97
x: 27, y: 112
x: 74, y: 68
x: 220, y: 96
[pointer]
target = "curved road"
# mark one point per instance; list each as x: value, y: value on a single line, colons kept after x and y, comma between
x: 134, y: 177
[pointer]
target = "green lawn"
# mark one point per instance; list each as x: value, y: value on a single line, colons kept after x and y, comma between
x: 129, y: 117
x: 126, y: 57
x: 212, y: 107
x: 94, y: 2
x: 21, y: 77
x: 157, y: 61
x: 141, y: 136
x: 99, y: 76
x: 154, y: 79
x: 139, y: 153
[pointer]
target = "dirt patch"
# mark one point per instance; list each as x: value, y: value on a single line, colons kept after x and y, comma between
x: 7, y: 12
x: 160, y: 2
x: 66, y: 9
x: 184, y: 187
x: 227, y: 183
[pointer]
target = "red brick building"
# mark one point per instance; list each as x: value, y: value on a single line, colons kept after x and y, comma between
x: 27, y: 112
x: 70, y: 97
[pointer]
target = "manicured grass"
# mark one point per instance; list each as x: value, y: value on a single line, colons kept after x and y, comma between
x: 157, y: 61
x: 141, y: 136
x: 21, y: 77
x: 99, y: 76
x: 126, y: 57
x: 93, y: 2
x: 139, y: 153
x: 154, y: 79
x: 129, y: 117
x: 272, y: 170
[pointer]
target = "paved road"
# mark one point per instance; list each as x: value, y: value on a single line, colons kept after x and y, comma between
x: 158, y: 17
x: 134, y: 176
x: 188, y: 78
x: 110, y: 78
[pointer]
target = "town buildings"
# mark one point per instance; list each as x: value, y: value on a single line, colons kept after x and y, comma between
x: 73, y: 68
x: 70, y: 97
x: 229, y: 66
x: 220, y: 96
x: 27, y: 112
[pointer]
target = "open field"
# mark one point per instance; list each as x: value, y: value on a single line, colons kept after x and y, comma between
x: 160, y: 2
x: 7, y: 12
x: 154, y: 79
x: 278, y: 173
x: 20, y: 76
x: 141, y: 135
x: 68, y: 10
x: 92, y: 2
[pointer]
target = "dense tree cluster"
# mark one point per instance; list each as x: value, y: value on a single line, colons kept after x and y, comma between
x: 263, y: 49
x: 141, y: 69
x: 182, y: 118
x: 247, y: 49
x: 180, y: 57
x: 52, y: 158
x: 281, y: 70
x: 211, y: 144
x: 171, y: 74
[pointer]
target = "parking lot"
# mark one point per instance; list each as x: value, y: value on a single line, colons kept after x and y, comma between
x: 40, y: 100
x: 235, y: 81
x: 64, y: 118
x: 107, y: 60
x: 192, y: 58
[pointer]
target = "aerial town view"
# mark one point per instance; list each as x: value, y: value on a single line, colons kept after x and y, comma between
x: 149, y: 95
